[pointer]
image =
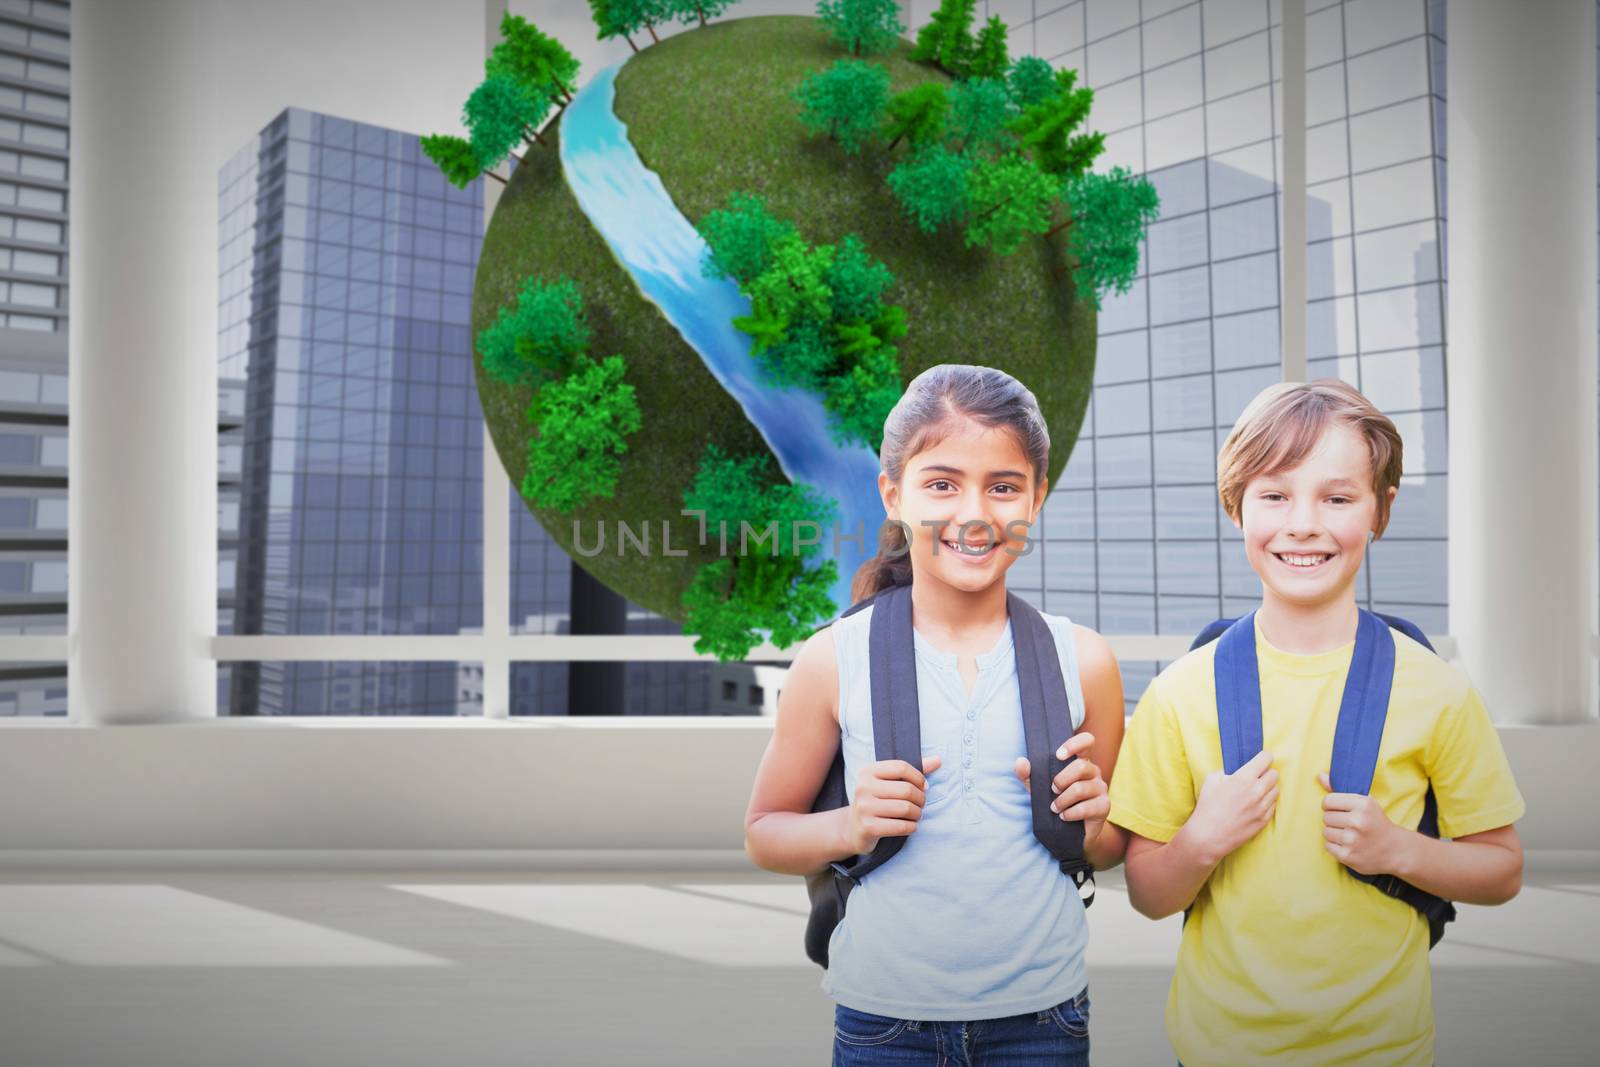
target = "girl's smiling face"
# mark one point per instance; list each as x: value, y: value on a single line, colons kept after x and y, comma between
x: 1305, y: 529
x: 974, y: 488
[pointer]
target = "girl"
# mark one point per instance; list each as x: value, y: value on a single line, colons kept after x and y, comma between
x: 968, y: 945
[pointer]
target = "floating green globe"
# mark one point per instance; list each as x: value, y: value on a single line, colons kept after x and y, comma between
x: 711, y: 112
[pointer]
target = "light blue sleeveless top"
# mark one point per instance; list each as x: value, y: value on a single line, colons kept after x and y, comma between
x: 972, y: 918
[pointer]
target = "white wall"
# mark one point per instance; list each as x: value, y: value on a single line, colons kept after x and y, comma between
x: 625, y: 785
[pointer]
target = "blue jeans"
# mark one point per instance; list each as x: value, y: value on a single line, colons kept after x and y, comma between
x: 1054, y: 1037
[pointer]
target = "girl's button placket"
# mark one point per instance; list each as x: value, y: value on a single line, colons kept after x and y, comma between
x: 969, y: 739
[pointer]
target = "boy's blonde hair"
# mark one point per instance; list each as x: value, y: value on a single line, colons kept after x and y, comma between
x: 1283, y: 424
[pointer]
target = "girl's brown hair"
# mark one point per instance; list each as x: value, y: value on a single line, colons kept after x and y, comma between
x: 1282, y: 426
x: 932, y: 407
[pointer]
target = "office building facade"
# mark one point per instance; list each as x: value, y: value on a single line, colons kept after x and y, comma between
x: 1189, y: 94
x: 349, y: 498
x: 35, y: 120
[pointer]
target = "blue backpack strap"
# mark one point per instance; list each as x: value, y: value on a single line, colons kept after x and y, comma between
x: 1210, y: 633
x: 1356, y: 738
x: 1238, y: 682
x: 1364, y: 707
x: 1046, y: 723
x: 1407, y: 627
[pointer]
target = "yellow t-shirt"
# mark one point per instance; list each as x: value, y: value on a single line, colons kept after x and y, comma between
x: 1285, y: 957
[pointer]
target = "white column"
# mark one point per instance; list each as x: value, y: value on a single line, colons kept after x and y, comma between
x: 142, y: 599
x: 496, y: 488
x: 1292, y: 242
x: 1522, y: 349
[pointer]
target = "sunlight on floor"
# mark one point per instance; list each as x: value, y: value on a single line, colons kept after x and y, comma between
x: 121, y: 925
x: 693, y: 924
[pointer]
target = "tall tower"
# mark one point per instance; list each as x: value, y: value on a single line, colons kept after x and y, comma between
x: 350, y: 429
x: 35, y: 111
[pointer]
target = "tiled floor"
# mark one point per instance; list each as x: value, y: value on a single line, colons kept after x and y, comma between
x: 234, y: 970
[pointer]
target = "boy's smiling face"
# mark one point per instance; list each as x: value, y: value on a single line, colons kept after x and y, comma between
x: 1305, y: 528
x: 978, y: 476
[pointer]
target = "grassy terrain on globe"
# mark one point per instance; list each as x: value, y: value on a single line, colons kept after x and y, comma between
x: 710, y: 111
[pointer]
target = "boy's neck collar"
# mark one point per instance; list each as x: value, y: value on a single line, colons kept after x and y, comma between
x: 1308, y: 630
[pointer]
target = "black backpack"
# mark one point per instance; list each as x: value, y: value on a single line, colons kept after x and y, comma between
x: 897, y: 734
x: 1362, y: 712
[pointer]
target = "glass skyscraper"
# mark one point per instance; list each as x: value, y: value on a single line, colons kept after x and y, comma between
x: 345, y: 279
x: 351, y: 441
x: 35, y: 118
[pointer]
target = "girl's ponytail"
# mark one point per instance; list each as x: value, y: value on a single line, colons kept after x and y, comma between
x: 891, y: 566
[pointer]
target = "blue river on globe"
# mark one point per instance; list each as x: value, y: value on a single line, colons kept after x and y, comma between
x: 659, y: 247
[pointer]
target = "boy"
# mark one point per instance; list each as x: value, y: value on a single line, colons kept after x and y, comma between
x: 1286, y: 957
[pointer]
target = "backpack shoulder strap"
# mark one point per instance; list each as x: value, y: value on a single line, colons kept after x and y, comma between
x: 1238, y: 686
x: 833, y: 794
x: 1046, y: 722
x: 1238, y: 682
x: 1407, y: 627
x: 896, y: 714
x: 1212, y: 631
x: 829, y: 888
x: 1362, y: 713
x: 1364, y: 707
